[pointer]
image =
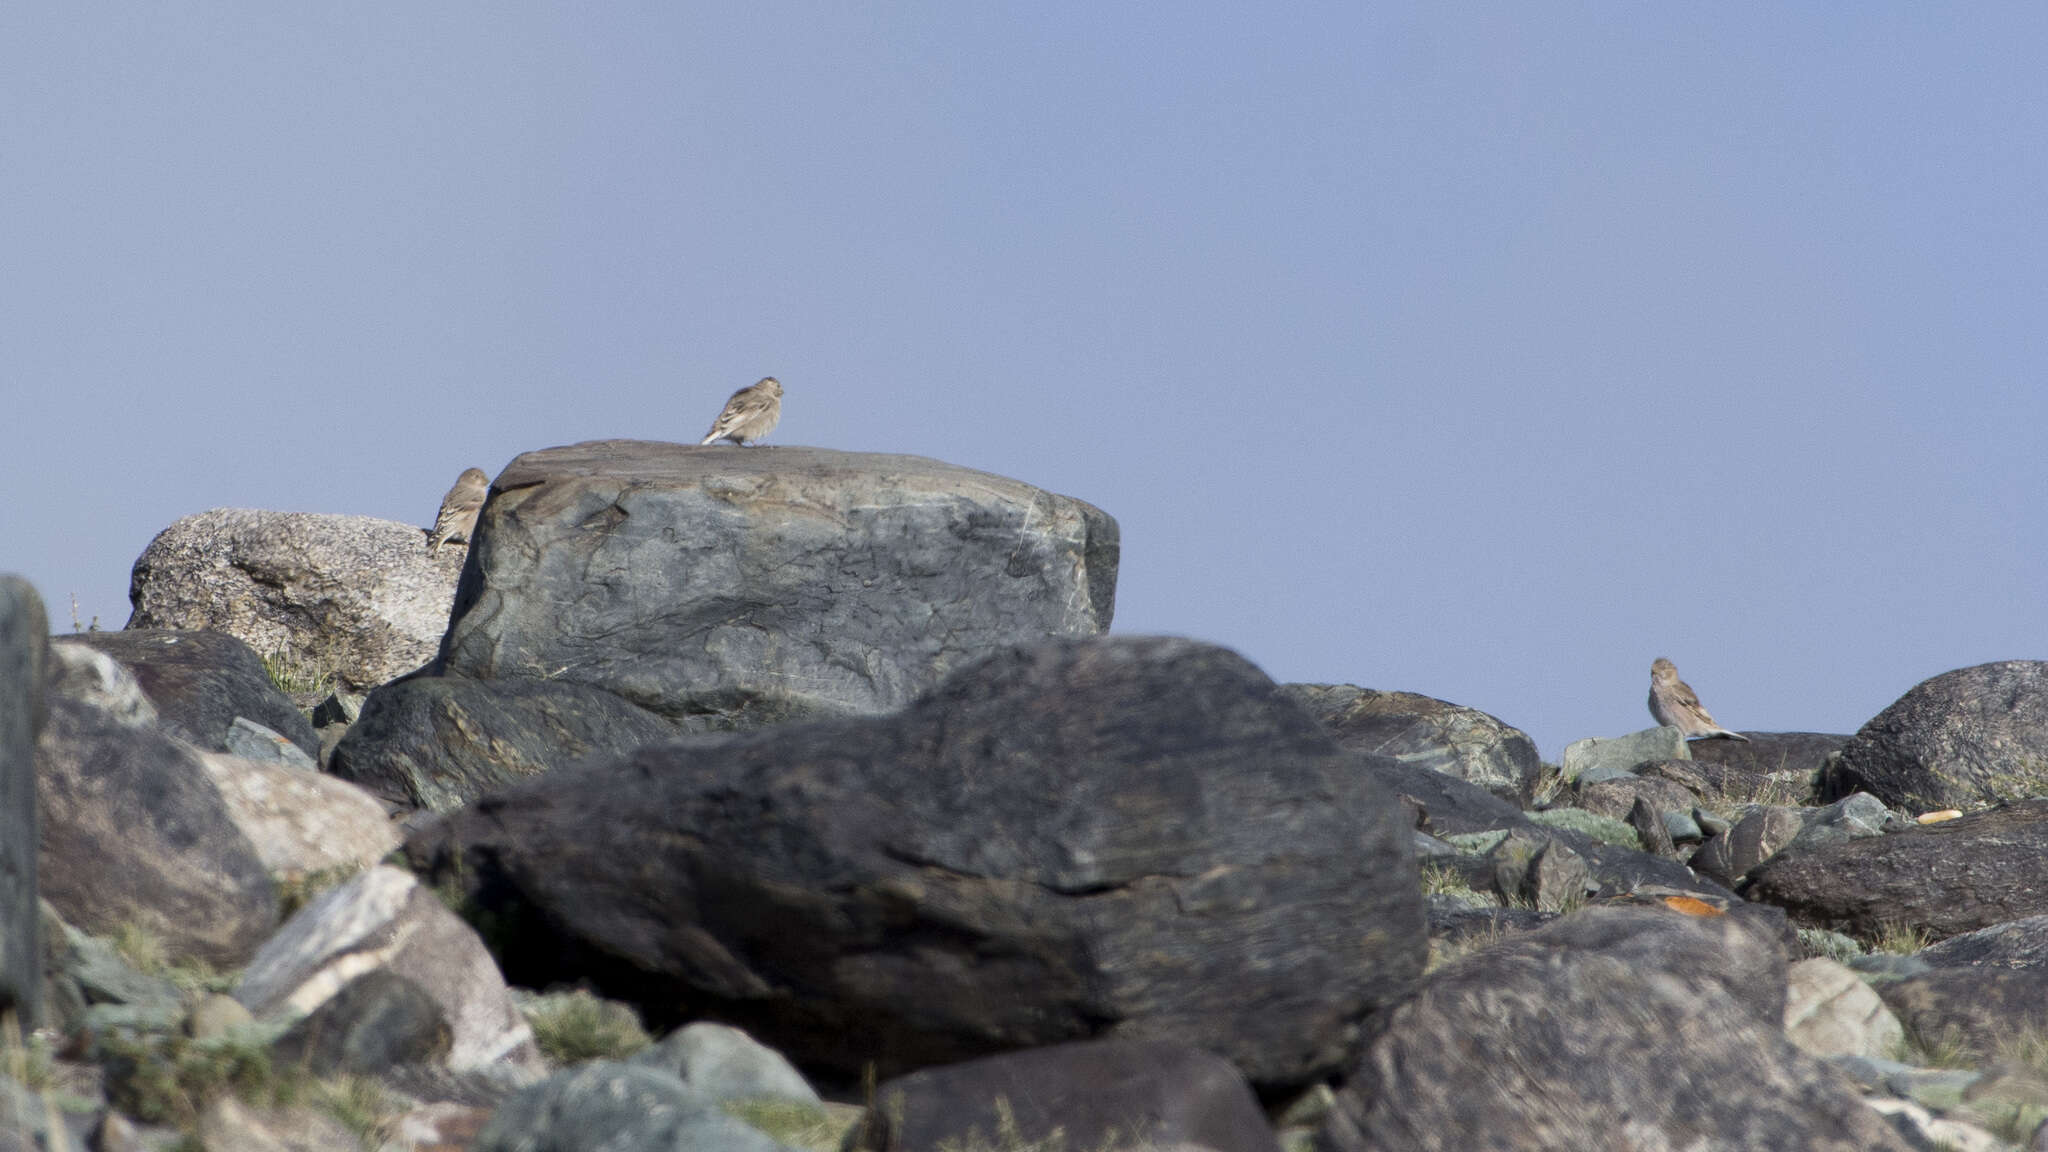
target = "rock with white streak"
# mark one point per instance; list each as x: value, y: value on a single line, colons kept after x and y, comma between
x: 384, y: 920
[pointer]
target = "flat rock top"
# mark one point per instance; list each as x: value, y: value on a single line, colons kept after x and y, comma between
x: 686, y: 465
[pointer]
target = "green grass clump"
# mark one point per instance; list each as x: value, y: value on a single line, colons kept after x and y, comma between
x: 294, y: 675
x: 298, y: 889
x: 171, y: 1079
x: 1898, y: 938
x: 577, y: 1026
x: 1819, y: 942
x: 795, y: 1123
x: 144, y: 951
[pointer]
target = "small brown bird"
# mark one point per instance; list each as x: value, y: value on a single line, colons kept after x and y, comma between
x: 750, y: 414
x: 1674, y: 703
x: 459, y: 509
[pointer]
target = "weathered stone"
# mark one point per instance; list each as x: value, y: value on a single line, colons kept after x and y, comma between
x: 24, y: 664
x: 353, y: 596
x: 134, y: 832
x: 1786, y: 755
x: 90, y: 676
x: 436, y: 743
x: 605, y: 1105
x: 1761, y: 832
x: 1622, y: 752
x: 1963, y: 739
x: 733, y: 589
x: 1532, y: 868
x: 301, y: 822
x: 1135, y: 836
x: 725, y: 1063
x: 1853, y: 817
x: 1830, y: 1011
x: 1977, y: 1008
x: 216, y: 1015
x: 93, y: 972
x: 1945, y: 879
x: 377, y: 1020
x: 1453, y: 806
x: 200, y: 682
x: 1093, y: 1094
x: 1612, y: 1028
x: 229, y: 1125
x: 1422, y: 730
x: 2019, y: 943
x: 1649, y: 826
x: 1618, y: 796
x: 252, y: 741
x: 383, y: 920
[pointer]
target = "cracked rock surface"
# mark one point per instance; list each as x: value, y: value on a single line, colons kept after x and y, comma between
x: 727, y: 588
x: 1129, y: 837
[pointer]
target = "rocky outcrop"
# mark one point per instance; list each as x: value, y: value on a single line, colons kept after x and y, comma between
x: 1978, y: 1009
x: 1421, y: 730
x: 353, y: 596
x: 200, y: 683
x: 384, y: 921
x: 729, y: 589
x: 1129, y: 837
x: 1613, y: 1028
x: 1093, y: 1094
x: 134, y: 832
x: 2019, y: 943
x: 1963, y: 739
x: 436, y: 743
x: 1945, y: 879
x: 24, y: 658
x: 1765, y: 755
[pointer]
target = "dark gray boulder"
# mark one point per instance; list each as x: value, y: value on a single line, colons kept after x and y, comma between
x: 24, y: 664
x: 1945, y: 879
x: 135, y: 832
x: 1134, y: 837
x: 437, y: 743
x: 2019, y: 943
x: 1761, y: 832
x: 377, y: 1020
x: 201, y: 681
x: 1975, y: 1009
x: 1093, y: 1094
x: 1963, y: 739
x: 1434, y: 734
x: 605, y: 1106
x: 1769, y: 753
x: 1450, y: 806
x: 1611, y: 1028
x: 727, y: 589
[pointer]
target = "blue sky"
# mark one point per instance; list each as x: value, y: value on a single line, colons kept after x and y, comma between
x: 1487, y: 351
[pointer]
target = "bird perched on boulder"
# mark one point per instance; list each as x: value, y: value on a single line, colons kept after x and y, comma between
x: 750, y: 414
x: 1673, y: 702
x: 459, y: 509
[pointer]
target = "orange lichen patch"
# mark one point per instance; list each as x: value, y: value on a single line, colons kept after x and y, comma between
x: 1936, y: 817
x: 1692, y: 907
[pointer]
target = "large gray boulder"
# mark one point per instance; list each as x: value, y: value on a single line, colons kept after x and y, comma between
x: 728, y: 589
x: 1612, y: 1028
x: 134, y: 832
x: 1963, y: 739
x: 439, y: 742
x: 1092, y: 1094
x: 605, y: 1106
x: 1432, y: 733
x: 1136, y: 837
x: 200, y: 683
x: 354, y: 596
x: 24, y: 660
x: 1945, y: 879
